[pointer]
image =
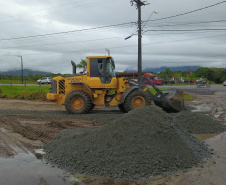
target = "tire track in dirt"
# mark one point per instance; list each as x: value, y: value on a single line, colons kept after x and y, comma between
x: 25, y: 134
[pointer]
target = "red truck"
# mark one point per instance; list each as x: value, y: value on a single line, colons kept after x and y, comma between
x: 153, y: 78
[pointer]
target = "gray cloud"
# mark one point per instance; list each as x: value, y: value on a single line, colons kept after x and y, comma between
x: 54, y: 52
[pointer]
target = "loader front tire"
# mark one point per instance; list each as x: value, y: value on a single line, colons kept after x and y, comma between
x: 121, y: 108
x: 136, y: 99
x: 78, y: 102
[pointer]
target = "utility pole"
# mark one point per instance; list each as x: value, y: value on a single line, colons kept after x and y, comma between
x: 22, y: 75
x: 139, y: 3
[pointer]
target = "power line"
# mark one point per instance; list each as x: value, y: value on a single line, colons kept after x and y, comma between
x: 111, y: 25
x: 62, y: 43
x: 80, y: 41
x: 173, y: 16
x: 50, y: 37
x: 117, y: 47
x: 190, y: 23
x: 205, y: 29
x: 58, y: 33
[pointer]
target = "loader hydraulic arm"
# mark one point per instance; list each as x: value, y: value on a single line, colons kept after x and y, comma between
x: 142, y: 86
x: 172, y: 100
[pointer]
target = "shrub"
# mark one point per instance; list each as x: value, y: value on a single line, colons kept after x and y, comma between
x: 31, y: 96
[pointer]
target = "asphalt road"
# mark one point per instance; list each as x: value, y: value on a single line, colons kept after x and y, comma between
x: 199, y: 90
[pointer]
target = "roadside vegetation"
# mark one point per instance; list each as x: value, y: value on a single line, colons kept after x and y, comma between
x: 188, y: 97
x: 19, y: 92
x: 214, y: 75
x: 30, y: 79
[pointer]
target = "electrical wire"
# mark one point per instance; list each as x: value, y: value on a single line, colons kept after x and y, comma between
x: 58, y: 33
x: 118, y: 47
x: 189, y: 23
x: 204, y: 29
x: 193, y: 11
x: 75, y: 42
x: 111, y: 25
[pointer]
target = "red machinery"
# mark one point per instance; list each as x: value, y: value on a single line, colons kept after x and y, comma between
x: 153, y: 78
x: 189, y: 81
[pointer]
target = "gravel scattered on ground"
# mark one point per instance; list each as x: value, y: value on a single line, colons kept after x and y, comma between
x: 142, y: 143
x: 105, y: 114
x: 199, y: 123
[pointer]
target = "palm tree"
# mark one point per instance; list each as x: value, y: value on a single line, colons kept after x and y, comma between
x: 82, y: 64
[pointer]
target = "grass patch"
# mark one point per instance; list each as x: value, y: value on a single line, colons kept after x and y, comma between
x: 3, y: 81
x: 188, y: 97
x: 31, y: 93
x: 153, y: 91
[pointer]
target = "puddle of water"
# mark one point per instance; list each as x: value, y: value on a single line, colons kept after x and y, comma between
x: 202, y: 137
x: 24, y: 122
x: 27, y: 169
x: 201, y: 108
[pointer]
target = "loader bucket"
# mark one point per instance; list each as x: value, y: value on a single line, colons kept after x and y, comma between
x: 172, y: 101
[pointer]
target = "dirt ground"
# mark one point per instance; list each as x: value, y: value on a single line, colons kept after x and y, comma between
x: 24, y: 129
x: 23, y: 132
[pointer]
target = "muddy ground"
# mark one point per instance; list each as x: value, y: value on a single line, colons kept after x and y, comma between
x: 26, y: 125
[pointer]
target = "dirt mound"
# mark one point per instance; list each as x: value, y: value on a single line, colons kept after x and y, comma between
x: 142, y: 143
x: 199, y: 123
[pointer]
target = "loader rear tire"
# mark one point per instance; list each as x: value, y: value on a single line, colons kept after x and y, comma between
x: 92, y: 106
x: 78, y: 102
x: 136, y: 99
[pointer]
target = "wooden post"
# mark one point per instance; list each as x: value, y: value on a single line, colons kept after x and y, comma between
x: 11, y: 90
x: 25, y: 86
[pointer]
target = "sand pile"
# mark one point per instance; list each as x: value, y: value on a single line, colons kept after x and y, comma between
x: 199, y: 123
x: 142, y: 143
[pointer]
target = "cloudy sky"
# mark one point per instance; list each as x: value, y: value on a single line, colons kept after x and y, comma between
x: 49, y: 34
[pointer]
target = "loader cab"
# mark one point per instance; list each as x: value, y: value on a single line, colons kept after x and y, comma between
x: 103, y: 68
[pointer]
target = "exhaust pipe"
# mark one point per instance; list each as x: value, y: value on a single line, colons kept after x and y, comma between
x: 73, y: 67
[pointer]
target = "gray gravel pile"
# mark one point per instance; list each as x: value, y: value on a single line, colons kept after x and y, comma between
x: 142, y: 143
x: 199, y: 123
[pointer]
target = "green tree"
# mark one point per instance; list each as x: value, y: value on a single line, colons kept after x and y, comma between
x: 82, y: 64
x: 168, y: 73
x: 205, y: 72
x: 223, y: 75
x: 217, y: 75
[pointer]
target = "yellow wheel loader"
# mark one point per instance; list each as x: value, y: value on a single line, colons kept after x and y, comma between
x: 99, y: 86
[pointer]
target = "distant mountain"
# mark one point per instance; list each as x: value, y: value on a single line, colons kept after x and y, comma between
x: 161, y: 69
x: 25, y: 72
